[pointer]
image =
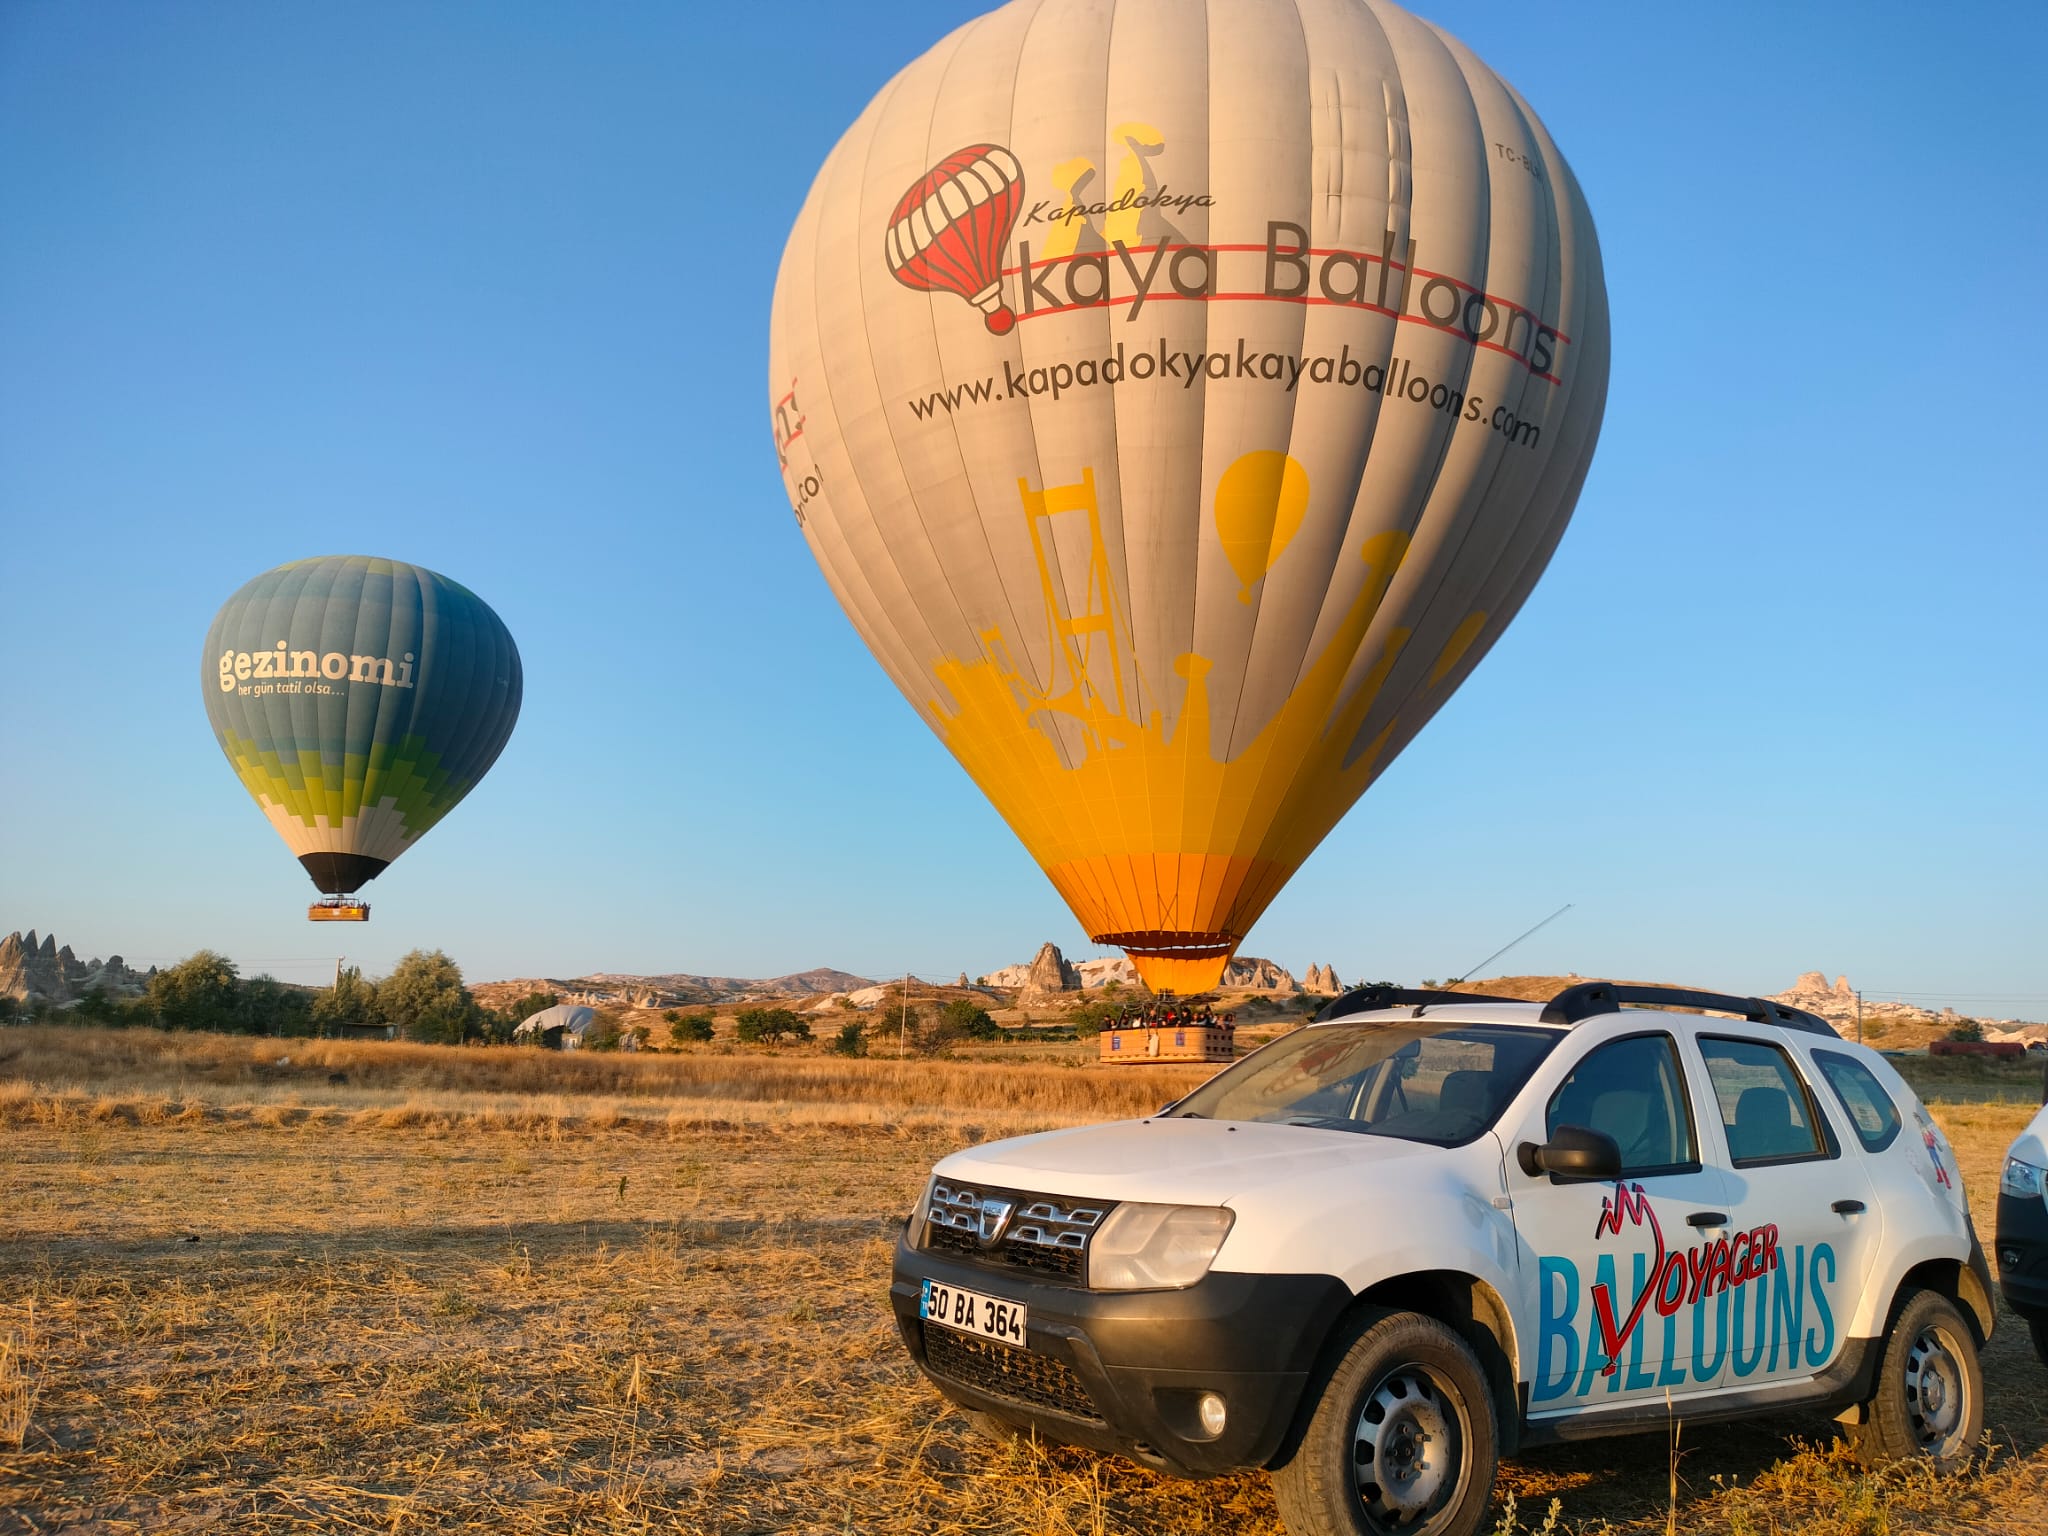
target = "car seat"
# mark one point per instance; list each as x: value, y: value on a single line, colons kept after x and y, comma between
x: 1764, y: 1126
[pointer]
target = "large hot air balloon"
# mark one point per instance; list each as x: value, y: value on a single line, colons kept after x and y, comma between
x: 359, y: 700
x: 1181, y: 399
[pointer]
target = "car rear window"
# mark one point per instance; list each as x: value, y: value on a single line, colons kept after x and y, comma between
x: 1764, y: 1105
x: 1869, y: 1107
x: 1417, y: 1079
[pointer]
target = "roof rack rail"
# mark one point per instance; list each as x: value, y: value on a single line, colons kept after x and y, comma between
x: 1368, y: 999
x: 1592, y: 998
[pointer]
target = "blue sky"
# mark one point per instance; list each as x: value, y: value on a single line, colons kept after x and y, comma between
x: 486, y: 288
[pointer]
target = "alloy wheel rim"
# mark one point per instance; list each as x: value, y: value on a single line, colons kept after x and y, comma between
x: 1407, y: 1450
x: 1937, y: 1391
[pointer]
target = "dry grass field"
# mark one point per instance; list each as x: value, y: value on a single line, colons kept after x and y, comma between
x: 393, y: 1288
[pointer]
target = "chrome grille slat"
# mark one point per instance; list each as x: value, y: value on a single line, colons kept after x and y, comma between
x: 1044, y: 1234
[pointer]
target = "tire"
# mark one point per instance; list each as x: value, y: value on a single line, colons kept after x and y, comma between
x: 1400, y: 1438
x: 1929, y: 1397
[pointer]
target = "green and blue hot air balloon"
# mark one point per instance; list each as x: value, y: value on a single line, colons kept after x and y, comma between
x: 359, y: 700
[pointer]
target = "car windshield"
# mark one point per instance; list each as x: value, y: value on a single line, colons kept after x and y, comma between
x: 1418, y: 1079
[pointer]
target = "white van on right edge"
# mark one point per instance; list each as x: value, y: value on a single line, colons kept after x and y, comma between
x: 1431, y: 1229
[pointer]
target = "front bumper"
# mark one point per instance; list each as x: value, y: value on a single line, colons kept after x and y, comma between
x: 1121, y: 1371
x: 2022, y: 1249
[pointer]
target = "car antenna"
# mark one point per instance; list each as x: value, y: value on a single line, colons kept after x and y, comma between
x: 1472, y: 971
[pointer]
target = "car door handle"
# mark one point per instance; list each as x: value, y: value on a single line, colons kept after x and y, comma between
x: 1707, y: 1219
x: 1847, y: 1207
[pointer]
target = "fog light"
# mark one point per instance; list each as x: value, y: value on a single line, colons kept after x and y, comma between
x: 2008, y: 1258
x: 1209, y: 1408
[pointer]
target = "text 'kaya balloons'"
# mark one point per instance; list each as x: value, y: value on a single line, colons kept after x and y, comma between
x: 1181, y: 399
x: 358, y: 700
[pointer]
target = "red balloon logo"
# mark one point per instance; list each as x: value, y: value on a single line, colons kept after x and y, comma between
x: 949, y: 229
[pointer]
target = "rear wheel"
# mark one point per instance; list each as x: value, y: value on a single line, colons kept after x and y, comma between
x: 1929, y: 1399
x: 1401, y: 1440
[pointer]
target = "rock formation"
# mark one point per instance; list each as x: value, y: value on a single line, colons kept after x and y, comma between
x: 1049, y: 975
x: 1256, y: 975
x: 33, y: 969
x: 1113, y: 968
x: 1322, y: 979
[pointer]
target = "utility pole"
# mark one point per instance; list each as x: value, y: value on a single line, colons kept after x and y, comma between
x: 337, y: 971
x: 1859, y: 1015
x: 903, y: 1019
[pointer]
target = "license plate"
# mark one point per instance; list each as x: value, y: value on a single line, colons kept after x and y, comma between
x: 986, y: 1317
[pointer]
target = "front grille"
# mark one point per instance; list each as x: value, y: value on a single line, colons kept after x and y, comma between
x: 1014, y: 1375
x: 1041, y: 1234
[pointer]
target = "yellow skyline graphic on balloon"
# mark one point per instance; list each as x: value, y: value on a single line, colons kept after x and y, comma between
x: 1160, y: 849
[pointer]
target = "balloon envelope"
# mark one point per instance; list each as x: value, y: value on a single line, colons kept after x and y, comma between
x: 358, y: 700
x: 1180, y: 400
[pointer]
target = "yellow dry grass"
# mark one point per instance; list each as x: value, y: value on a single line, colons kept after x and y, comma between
x: 553, y: 1311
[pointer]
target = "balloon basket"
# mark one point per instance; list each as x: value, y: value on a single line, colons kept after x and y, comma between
x: 1147, y: 1045
x: 338, y: 909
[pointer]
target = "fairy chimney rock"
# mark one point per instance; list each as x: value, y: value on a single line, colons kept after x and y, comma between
x: 1049, y: 974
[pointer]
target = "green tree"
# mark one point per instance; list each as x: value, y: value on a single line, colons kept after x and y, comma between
x: 531, y: 1004
x: 267, y: 1006
x: 683, y: 1029
x: 605, y: 1032
x: 1967, y: 1030
x: 770, y: 1025
x: 95, y: 1007
x: 10, y: 1008
x: 351, y: 1000
x: 424, y: 996
x: 851, y: 1040
x: 199, y: 992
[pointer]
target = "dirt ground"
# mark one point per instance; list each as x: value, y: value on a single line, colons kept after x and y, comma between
x: 292, y: 1318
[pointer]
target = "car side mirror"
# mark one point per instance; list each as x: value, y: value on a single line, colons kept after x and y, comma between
x: 1573, y: 1152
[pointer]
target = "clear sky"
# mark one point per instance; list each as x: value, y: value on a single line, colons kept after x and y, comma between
x: 486, y: 288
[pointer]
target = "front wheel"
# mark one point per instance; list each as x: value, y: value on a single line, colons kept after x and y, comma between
x: 1401, y: 1440
x: 1929, y: 1399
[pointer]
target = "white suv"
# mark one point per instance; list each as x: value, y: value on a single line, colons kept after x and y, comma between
x: 1431, y: 1229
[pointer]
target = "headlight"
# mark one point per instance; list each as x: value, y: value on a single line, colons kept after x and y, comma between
x: 2021, y: 1179
x: 1150, y: 1247
x: 920, y: 1208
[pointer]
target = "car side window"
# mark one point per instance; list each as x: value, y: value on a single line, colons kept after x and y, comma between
x: 1633, y: 1090
x: 1765, y: 1108
x: 1869, y: 1107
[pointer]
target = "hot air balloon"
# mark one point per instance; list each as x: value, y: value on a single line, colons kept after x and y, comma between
x: 358, y: 700
x: 1242, y: 369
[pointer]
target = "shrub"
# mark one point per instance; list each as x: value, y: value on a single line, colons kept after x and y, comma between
x: 970, y: 1020
x: 1967, y: 1029
x: 683, y: 1029
x: 851, y: 1040
x: 1095, y: 1015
